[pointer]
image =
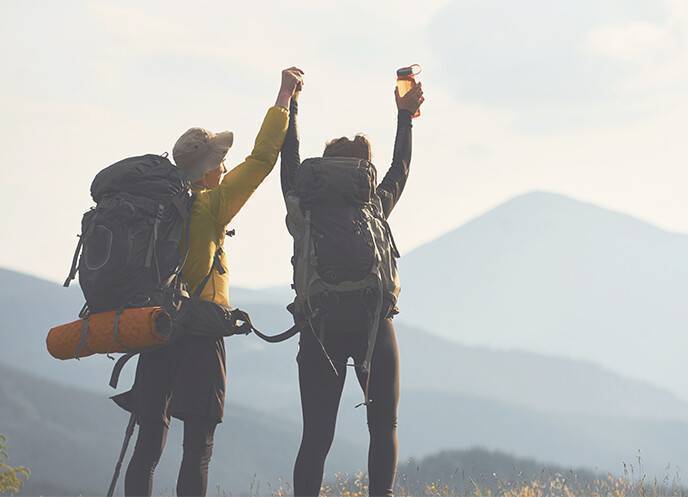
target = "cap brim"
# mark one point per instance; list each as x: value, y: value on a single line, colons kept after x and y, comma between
x: 199, y: 163
x: 222, y: 142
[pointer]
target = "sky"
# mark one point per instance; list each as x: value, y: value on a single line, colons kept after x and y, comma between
x: 587, y: 99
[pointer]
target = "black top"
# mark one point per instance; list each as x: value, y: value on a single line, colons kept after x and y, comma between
x: 392, y: 185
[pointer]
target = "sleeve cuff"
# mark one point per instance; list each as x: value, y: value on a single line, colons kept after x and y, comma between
x: 278, y: 109
x: 404, y: 116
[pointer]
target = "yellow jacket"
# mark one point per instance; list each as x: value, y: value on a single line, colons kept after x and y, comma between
x: 214, y: 209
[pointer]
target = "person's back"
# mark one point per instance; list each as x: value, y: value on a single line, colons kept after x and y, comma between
x: 338, y: 327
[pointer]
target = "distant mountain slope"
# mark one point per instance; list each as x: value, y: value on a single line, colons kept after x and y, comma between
x: 530, y: 380
x: 61, y: 432
x: 553, y: 275
x: 432, y: 420
x: 568, y: 412
x: 460, y: 472
x: 256, y: 369
x: 431, y: 363
x: 70, y: 439
x: 464, y: 470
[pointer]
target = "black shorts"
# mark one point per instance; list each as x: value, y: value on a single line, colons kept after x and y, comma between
x: 187, y: 379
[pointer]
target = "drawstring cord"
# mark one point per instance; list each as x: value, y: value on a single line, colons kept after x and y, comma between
x: 322, y: 347
x: 367, y: 400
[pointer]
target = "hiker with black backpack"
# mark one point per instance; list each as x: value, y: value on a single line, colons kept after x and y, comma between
x: 346, y: 286
x: 187, y: 378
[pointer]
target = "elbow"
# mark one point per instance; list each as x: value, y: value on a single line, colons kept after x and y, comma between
x: 264, y: 161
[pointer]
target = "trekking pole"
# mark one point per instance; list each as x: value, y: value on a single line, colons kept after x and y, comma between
x: 125, y: 444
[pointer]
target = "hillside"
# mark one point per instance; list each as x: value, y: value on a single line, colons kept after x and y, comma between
x: 569, y: 412
x: 463, y: 471
x: 548, y: 274
x: 524, y: 379
x: 70, y: 439
x: 460, y: 473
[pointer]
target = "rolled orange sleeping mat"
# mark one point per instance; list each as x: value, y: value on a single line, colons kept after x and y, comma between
x: 138, y: 328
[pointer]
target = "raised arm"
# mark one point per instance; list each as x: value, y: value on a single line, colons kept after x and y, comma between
x: 391, y: 187
x: 290, y: 158
x: 240, y: 183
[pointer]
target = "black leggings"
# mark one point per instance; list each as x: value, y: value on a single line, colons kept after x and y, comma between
x: 321, y: 391
x: 193, y: 474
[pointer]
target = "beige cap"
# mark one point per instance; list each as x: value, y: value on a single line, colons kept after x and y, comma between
x: 198, y: 151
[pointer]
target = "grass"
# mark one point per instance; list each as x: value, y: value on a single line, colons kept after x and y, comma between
x: 557, y: 486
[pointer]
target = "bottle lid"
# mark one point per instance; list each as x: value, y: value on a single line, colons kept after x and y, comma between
x: 411, y: 70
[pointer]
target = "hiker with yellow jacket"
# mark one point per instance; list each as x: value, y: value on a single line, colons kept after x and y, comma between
x: 187, y: 379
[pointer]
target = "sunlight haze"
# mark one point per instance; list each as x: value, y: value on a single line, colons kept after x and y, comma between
x: 579, y: 99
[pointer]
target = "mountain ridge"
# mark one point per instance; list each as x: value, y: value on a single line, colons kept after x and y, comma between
x: 517, y: 377
x: 550, y: 274
x: 544, y: 197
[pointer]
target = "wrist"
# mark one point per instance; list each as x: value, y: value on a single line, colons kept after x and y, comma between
x: 283, y: 98
x: 405, y: 115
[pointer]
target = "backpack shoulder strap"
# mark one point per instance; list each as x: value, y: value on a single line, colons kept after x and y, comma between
x: 75, y: 259
x: 117, y: 368
x: 217, y: 264
x: 75, y: 262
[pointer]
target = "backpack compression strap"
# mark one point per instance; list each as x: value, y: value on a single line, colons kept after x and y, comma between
x: 280, y: 337
x: 240, y: 315
x: 127, y: 436
x: 75, y: 259
x: 117, y: 368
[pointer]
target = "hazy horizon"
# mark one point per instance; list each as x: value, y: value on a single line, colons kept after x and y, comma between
x: 285, y: 283
x: 584, y: 100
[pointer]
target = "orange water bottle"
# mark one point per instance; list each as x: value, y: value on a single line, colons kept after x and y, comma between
x: 406, y: 80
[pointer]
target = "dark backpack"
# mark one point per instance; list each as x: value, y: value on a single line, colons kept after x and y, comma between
x: 132, y: 239
x: 129, y: 254
x: 344, y: 253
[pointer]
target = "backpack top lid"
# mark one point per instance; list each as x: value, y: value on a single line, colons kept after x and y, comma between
x: 335, y: 181
x: 150, y: 176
